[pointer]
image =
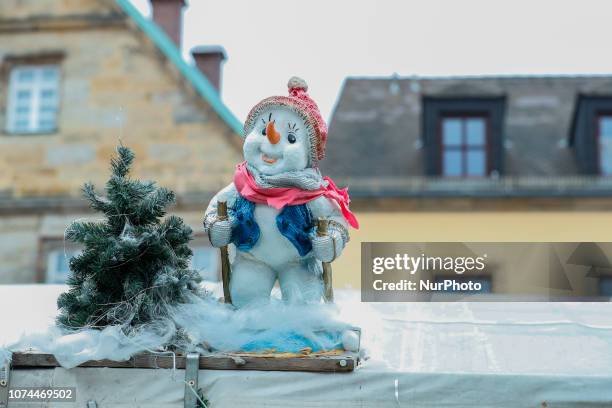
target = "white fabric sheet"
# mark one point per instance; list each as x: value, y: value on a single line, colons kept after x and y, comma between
x: 422, y: 355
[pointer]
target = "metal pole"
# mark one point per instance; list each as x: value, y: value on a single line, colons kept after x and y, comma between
x: 5, y: 377
x: 192, y: 370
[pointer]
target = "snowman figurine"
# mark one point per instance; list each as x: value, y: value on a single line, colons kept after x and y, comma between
x: 274, y: 201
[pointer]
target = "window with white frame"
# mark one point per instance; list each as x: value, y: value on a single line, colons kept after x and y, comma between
x: 58, y: 265
x: 205, y: 260
x: 33, y: 99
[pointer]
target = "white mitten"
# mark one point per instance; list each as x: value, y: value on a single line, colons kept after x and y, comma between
x: 220, y: 233
x: 328, y: 247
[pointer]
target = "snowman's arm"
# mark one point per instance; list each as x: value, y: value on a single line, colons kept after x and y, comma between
x: 227, y: 194
x: 329, y: 248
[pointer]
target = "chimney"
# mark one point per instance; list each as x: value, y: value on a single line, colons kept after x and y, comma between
x: 209, y: 59
x: 168, y: 14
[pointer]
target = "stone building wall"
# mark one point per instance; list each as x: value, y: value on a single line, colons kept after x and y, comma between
x: 115, y: 86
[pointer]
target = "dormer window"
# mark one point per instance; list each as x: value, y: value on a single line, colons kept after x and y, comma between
x: 463, y: 137
x: 464, y: 146
x: 604, y: 137
x: 591, y: 134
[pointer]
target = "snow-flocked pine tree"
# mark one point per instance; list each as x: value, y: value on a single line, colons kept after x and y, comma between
x: 134, y: 263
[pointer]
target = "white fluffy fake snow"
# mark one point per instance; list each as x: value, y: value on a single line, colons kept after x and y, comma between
x: 270, y: 325
x: 72, y: 349
x: 209, y: 325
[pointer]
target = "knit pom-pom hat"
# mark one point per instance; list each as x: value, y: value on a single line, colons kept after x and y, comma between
x: 299, y: 102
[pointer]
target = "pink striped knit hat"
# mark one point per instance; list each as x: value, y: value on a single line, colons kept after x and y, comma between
x: 298, y: 101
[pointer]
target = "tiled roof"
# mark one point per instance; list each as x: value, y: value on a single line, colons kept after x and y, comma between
x: 200, y: 83
x: 376, y: 135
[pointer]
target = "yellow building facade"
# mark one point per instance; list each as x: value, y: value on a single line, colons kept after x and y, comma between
x: 477, y: 226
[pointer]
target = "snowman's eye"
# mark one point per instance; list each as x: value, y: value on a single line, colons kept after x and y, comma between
x: 263, y: 131
x: 291, y: 138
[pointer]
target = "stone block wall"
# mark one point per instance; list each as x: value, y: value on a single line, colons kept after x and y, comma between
x: 115, y: 86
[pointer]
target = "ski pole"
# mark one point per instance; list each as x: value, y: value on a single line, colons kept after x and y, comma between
x: 328, y: 293
x: 225, y: 264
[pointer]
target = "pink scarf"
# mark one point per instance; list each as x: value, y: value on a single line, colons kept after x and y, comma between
x: 278, y: 197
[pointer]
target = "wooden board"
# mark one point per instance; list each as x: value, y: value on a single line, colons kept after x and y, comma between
x: 337, y: 364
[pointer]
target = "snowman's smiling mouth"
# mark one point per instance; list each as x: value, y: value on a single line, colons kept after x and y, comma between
x: 267, y: 159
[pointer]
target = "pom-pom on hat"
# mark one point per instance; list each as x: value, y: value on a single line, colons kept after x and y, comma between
x: 298, y: 101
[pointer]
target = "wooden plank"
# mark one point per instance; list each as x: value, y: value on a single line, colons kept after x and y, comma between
x: 337, y: 364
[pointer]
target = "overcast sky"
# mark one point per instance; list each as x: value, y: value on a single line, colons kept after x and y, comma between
x: 324, y: 41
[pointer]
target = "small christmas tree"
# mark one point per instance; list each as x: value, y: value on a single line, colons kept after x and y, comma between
x: 134, y: 264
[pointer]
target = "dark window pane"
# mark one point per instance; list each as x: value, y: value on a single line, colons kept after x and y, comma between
x: 21, y: 125
x: 475, y: 131
x: 452, y: 163
x: 476, y: 162
x: 47, y: 93
x: 49, y: 74
x: 605, y: 144
x: 47, y: 109
x: 606, y: 159
x: 46, y: 125
x: 605, y: 286
x: 23, y: 95
x: 605, y: 124
x: 25, y: 75
x: 451, y: 132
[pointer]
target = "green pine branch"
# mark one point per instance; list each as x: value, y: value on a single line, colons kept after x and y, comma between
x: 134, y: 261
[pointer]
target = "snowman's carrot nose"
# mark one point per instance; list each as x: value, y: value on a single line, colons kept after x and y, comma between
x: 273, y: 135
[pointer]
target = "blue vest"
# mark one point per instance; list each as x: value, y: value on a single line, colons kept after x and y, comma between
x: 294, y: 222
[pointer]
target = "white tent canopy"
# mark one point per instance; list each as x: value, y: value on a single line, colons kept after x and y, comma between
x: 421, y: 355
